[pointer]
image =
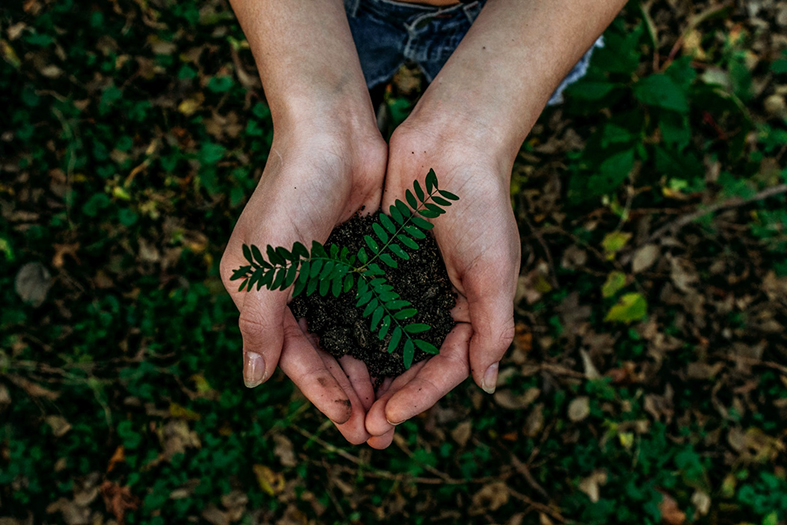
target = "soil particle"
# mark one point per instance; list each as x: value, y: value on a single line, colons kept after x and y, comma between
x: 422, y: 280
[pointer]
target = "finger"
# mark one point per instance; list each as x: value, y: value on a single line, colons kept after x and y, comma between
x: 461, y: 312
x: 384, y: 386
x: 438, y: 376
x: 441, y: 374
x: 376, y: 424
x: 261, y: 327
x: 381, y: 442
x: 359, y: 378
x: 492, y: 317
x: 353, y: 429
x: 301, y: 362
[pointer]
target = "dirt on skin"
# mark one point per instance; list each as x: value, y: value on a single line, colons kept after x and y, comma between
x: 339, y: 324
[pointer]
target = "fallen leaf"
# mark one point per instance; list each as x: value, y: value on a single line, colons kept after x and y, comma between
x: 631, y: 307
x: 270, y: 482
x: 491, y: 497
x: 615, y: 281
x: 462, y: 432
x: 61, y: 250
x: 118, y: 499
x: 614, y: 242
x: 284, y: 451
x: 670, y: 513
x: 701, y: 502
x: 579, y: 408
x: 59, y: 425
x: 590, y: 485
x: 32, y: 283
x: 644, y: 258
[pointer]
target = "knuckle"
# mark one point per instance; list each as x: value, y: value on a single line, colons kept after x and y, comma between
x: 251, y: 325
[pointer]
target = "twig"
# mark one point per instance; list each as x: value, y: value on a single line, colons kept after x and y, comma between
x: 536, y: 505
x: 734, y: 202
x: 540, y: 238
x: 522, y: 469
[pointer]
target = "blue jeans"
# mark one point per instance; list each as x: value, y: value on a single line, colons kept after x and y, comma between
x: 388, y: 33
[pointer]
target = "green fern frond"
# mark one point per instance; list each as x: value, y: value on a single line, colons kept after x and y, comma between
x: 334, y: 270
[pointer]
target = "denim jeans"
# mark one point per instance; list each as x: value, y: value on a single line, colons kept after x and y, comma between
x: 388, y: 33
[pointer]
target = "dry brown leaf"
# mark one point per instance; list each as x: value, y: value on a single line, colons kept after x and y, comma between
x: 118, y: 500
x: 32, y: 283
x: 462, y: 432
x: 270, y: 482
x: 590, y: 485
x: 670, y: 513
x: 59, y: 425
x: 579, y: 408
x: 284, y: 451
x: 491, y: 497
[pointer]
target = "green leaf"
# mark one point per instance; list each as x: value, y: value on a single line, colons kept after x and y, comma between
x: 374, y: 269
x: 386, y: 324
x: 390, y: 261
x: 370, y: 308
x: 289, y: 278
x: 334, y: 251
x: 416, y: 328
x: 279, y: 279
x: 441, y: 202
x: 364, y: 298
x: 435, y: 208
x: 411, y: 199
x: 408, y: 353
x: 661, y: 91
x: 284, y: 254
x: 336, y: 287
x: 407, y: 241
x: 299, y: 286
x: 273, y: 256
x: 242, y: 285
x: 253, y: 280
x: 415, y: 232
x: 395, y: 337
x: 348, y: 283
x: 429, y: 214
x: 327, y: 268
x: 300, y: 250
x: 614, y: 242
x: 267, y: 279
x: 377, y: 317
x: 431, y: 181
x: 424, y: 225
x: 255, y: 252
x: 303, y: 273
x: 397, y: 250
x: 396, y: 305
x: 386, y: 221
x: 403, y: 209
x: 363, y: 286
x: 371, y: 244
x: 316, y: 267
x: 324, y: 286
x: 318, y: 250
x: 239, y: 273
x: 380, y: 232
x: 396, y: 214
x: 405, y: 314
x: 312, y: 287
x: 615, y: 282
x: 631, y: 307
x: 448, y: 195
x: 362, y: 256
x: 247, y: 254
x: 429, y: 348
x: 419, y: 191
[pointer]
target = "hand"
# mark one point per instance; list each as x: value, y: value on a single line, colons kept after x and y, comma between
x: 479, y: 241
x: 313, y: 181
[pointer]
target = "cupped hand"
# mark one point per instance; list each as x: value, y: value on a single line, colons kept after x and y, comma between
x: 312, y: 181
x: 479, y: 241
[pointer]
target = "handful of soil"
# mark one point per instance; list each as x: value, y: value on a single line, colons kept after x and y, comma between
x: 339, y: 324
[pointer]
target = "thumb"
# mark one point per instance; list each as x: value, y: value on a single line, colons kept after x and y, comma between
x: 261, y: 326
x: 492, y: 319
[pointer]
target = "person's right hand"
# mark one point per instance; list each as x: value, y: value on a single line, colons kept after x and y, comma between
x: 314, y: 180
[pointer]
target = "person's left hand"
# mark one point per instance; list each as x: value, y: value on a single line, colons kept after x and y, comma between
x: 479, y: 241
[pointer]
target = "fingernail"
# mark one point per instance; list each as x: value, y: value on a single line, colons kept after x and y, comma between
x: 253, y: 369
x: 489, y: 382
x: 392, y: 423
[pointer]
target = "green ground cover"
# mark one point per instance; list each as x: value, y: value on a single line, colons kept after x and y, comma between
x: 648, y: 380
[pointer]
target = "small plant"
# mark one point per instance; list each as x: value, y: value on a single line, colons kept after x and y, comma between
x: 333, y: 269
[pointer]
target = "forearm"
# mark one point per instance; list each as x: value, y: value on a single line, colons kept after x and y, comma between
x: 517, y: 52
x: 306, y: 58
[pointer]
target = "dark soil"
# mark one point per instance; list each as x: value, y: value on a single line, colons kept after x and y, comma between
x: 422, y: 280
